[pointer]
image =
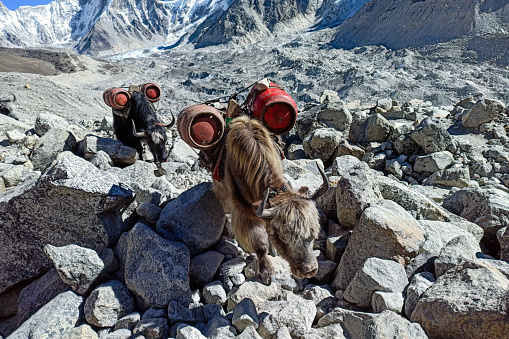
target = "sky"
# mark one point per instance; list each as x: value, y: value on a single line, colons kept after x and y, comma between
x: 14, y: 4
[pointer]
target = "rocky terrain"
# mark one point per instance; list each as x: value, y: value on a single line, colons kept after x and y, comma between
x: 100, y: 244
x: 96, y: 242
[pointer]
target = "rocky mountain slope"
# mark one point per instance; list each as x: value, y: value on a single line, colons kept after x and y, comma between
x: 422, y: 23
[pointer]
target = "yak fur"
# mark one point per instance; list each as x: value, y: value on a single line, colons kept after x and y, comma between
x: 253, y: 164
x: 146, y: 121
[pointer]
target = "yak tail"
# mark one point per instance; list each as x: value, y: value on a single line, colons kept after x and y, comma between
x: 251, y: 152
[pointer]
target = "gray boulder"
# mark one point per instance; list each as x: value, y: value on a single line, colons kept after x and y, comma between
x: 244, y: 315
x: 432, y: 136
x: 72, y: 203
x: 155, y: 269
x: 128, y: 321
x: 356, y: 190
x: 414, y: 202
x: 372, y: 325
x: 39, y: 293
x: 483, y: 111
x: 149, y: 212
x: 439, y: 233
x: 450, y: 177
x: 322, y: 143
x: 53, y: 319
x: 203, y: 267
x: 183, y: 153
x: 433, y: 162
x: 77, y: 266
x: 47, y: 121
x: 418, y: 285
x: 460, y: 249
x: 374, y: 128
x: 152, y: 328
x: 17, y: 174
x: 80, y: 332
x: 120, y: 154
x: 185, y: 331
x: 457, y: 304
x: 387, y: 301
x: 102, y: 160
x: 334, y: 114
x: 108, y: 303
x: 219, y: 328
x: 139, y: 176
x: 375, y: 275
x: 195, y: 218
x: 488, y: 208
x: 256, y: 291
x: 214, y: 293
x: 385, y: 231
x: 503, y: 239
x: 50, y: 145
x: 296, y: 313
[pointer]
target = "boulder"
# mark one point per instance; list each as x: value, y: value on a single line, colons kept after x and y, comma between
x: 334, y: 114
x: 450, y: 177
x: 53, y: 319
x: 155, y: 269
x: 72, y: 203
x: 139, y: 176
x: 128, y: 321
x: 322, y: 143
x: 488, y: 208
x: 433, y: 162
x: 414, y: 202
x: 81, y: 332
x: 219, y: 328
x: 385, y: 231
x: 356, y: 190
x: 214, y: 293
x: 255, y: 291
x: 375, y: 275
x: 102, y: 160
x: 457, y: 305
x: 460, y: 249
x: 39, y: 293
x: 372, y: 325
x: 152, y: 328
x: 47, y: 121
x: 203, y: 267
x: 50, y: 145
x: 183, y: 153
x: 304, y: 172
x: 374, y: 128
x: 439, y: 233
x: 387, y: 301
x: 484, y: 110
x: 432, y: 136
x: 195, y: 218
x: 77, y: 266
x: 244, y: 315
x: 296, y: 313
x: 418, y: 285
x: 185, y: 331
x: 120, y: 154
x: 108, y: 303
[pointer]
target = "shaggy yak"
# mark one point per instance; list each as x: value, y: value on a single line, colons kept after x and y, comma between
x: 264, y: 210
x: 7, y: 107
x: 142, y: 122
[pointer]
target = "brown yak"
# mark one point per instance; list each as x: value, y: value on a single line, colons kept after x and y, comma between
x: 253, y: 177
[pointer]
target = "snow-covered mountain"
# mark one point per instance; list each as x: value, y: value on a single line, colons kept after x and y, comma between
x: 100, y: 27
x: 105, y: 27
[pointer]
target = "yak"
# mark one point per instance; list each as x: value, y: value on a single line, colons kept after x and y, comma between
x: 264, y: 211
x: 142, y: 122
x: 7, y: 107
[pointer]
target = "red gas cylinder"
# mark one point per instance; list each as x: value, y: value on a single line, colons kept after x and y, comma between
x: 275, y: 109
x: 200, y: 126
x: 152, y: 92
x: 116, y: 98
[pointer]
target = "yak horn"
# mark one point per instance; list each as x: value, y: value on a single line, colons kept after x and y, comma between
x: 171, y: 123
x: 7, y: 100
x: 138, y: 134
x: 261, y: 212
x: 325, y: 187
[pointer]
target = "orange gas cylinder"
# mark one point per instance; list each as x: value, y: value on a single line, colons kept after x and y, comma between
x: 200, y: 126
x: 274, y: 108
x: 116, y: 98
x: 152, y: 92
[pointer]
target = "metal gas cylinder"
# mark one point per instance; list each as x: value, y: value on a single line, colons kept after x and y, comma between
x: 200, y: 126
x: 274, y: 107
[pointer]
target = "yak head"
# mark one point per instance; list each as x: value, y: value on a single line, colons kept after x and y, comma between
x: 145, y: 119
x: 7, y: 107
x: 293, y: 225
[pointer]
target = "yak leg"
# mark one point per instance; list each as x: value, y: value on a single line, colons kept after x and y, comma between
x: 249, y: 230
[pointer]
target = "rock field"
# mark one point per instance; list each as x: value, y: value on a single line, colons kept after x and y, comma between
x: 97, y: 243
